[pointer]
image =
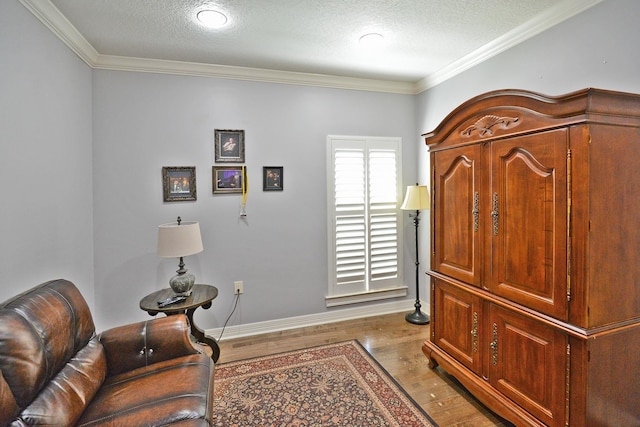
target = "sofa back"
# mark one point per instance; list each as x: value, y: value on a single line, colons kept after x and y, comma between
x: 51, y: 363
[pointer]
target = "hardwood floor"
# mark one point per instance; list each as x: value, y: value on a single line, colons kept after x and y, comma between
x: 396, y: 345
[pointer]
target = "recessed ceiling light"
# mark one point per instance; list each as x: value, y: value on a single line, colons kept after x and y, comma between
x: 212, y: 18
x: 372, y: 40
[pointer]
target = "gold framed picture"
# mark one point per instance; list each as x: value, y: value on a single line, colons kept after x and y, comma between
x: 179, y: 183
x: 229, y: 146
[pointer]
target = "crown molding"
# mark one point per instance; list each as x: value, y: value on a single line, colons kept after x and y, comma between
x: 551, y: 17
x: 51, y: 17
x: 59, y: 25
x: 120, y: 63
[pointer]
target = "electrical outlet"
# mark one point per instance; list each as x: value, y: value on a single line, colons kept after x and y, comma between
x: 238, y: 287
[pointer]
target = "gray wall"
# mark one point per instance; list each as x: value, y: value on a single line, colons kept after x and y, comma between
x: 145, y: 121
x: 46, y: 229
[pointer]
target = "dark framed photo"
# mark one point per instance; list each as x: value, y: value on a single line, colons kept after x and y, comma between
x: 179, y: 183
x: 228, y: 179
x: 272, y: 178
x: 229, y: 146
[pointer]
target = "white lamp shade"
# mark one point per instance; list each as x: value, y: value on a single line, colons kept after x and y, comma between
x: 179, y: 240
x: 416, y: 198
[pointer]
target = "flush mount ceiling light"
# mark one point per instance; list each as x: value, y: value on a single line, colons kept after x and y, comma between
x: 212, y: 18
x: 372, y: 40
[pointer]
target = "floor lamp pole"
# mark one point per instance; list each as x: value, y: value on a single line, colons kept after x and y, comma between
x: 417, y: 317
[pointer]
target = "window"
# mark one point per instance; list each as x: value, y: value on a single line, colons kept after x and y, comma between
x: 363, y: 182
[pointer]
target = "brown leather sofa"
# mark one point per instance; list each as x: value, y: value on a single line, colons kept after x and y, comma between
x: 55, y: 370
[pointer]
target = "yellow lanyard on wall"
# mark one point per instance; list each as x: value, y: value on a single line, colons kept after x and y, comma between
x: 245, y: 190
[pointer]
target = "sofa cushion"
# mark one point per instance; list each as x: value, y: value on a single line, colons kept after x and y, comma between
x: 63, y: 400
x: 168, y: 392
x: 40, y: 331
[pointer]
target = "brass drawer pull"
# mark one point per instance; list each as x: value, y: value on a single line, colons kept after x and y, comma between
x: 476, y: 211
x: 474, y: 332
x: 494, y: 345
x: 494, y: 214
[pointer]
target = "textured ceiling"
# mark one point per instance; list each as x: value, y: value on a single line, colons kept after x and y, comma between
x: 422, y: 37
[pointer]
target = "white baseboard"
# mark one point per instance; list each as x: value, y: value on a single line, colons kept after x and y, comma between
x: 249, y: 329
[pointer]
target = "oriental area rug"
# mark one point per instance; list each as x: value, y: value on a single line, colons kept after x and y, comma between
x: 331, y: 385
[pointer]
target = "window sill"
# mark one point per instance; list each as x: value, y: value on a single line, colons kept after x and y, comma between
x: 337, y: 300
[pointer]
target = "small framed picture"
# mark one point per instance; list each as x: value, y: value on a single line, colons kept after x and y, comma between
x: 228, y: 179
x: 229, y: 146
x: 272, y: 178
x: 179, y: 183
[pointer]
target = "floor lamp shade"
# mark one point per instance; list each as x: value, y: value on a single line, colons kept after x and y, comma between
x: 178, y: 240
x: 417, y: 199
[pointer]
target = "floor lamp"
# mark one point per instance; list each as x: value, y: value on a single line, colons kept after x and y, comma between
x: 416, y: 199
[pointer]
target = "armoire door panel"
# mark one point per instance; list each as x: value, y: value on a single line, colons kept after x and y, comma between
x: 529, y: 221
x: 458, y: 328
x: 457, y: 213
x: 528, y: 364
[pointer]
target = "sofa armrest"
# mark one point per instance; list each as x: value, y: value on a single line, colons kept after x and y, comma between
x: 140, y: 344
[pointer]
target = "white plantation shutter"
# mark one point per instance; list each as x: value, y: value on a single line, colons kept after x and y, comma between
x: 363, y: 182
x: 383, y: 214
x: 350, y: 228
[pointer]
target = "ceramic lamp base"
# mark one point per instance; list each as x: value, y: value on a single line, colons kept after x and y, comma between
x: 182, y: 284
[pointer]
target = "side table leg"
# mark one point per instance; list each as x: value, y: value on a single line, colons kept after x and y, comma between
x: 200, y: 336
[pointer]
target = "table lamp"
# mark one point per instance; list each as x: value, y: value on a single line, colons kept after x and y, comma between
x: 416, y: 199
x: 178, y: 240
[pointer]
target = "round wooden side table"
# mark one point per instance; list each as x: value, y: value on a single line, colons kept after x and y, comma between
x: 201, y: 296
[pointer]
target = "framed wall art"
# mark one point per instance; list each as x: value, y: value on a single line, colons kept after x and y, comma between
x: 179, y: 183
x: 228, y: 179
x: 229, y: 146
x: 272, y: 178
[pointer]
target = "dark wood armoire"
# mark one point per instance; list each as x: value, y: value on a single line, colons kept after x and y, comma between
x: 535, y: 262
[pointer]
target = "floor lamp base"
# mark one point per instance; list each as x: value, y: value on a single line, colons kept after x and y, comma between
x: 417, y: 317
